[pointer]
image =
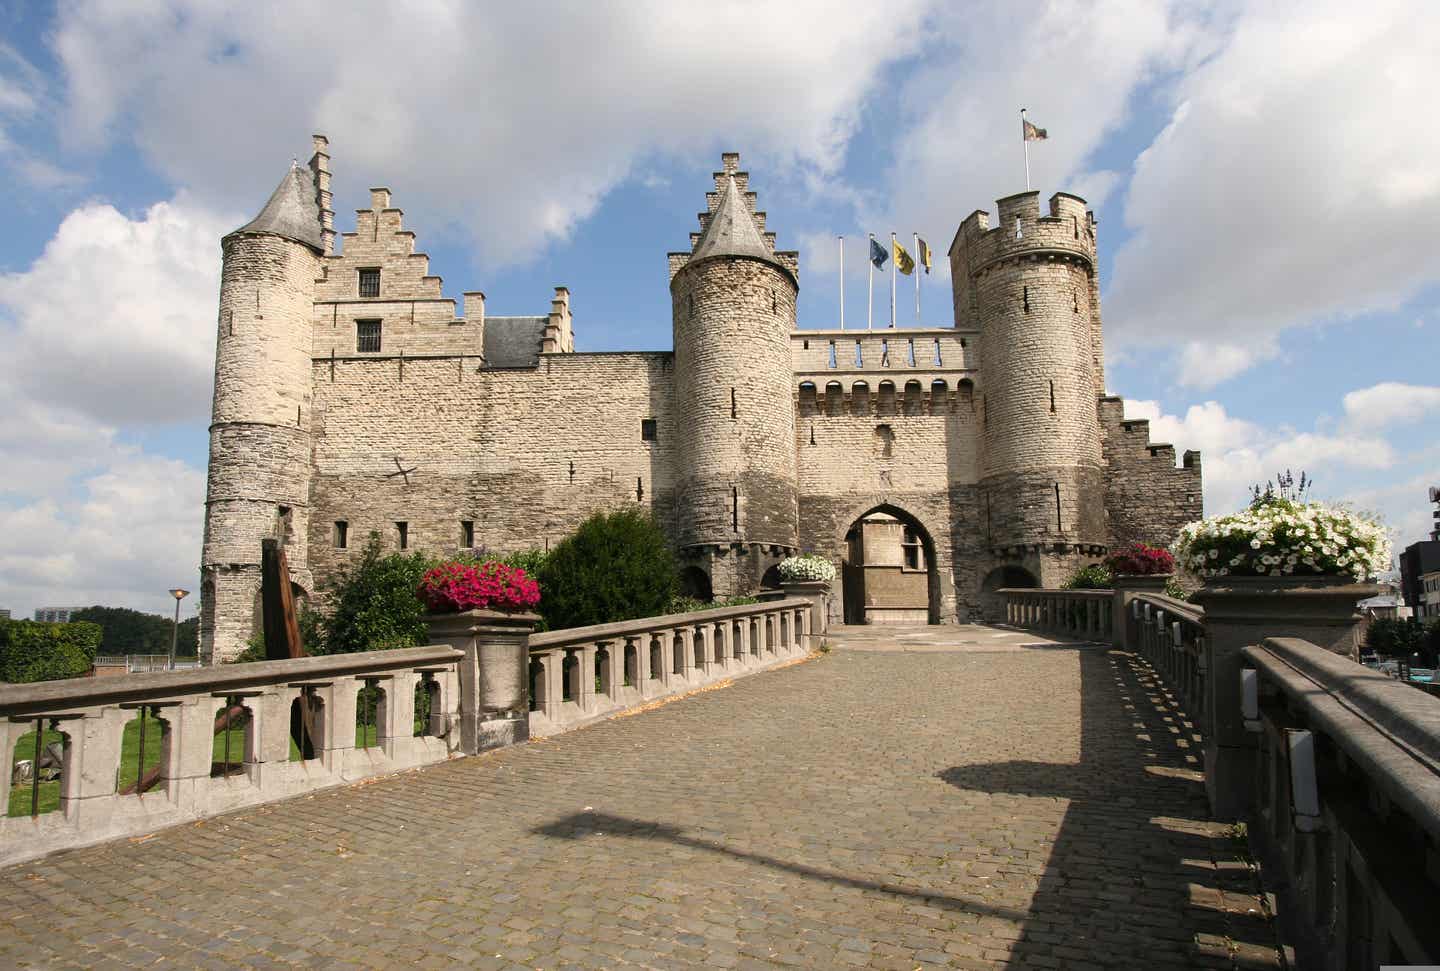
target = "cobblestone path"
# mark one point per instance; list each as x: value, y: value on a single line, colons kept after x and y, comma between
x: 980, y: 804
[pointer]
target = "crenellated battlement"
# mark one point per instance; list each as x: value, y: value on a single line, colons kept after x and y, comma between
x: 1067, y: 232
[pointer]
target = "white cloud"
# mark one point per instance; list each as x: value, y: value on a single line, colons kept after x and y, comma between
x: 116, y: 318
x: 1204, y: 365
x: 1293, y: 184
x: 500, y: 122
x: 1353, y: 465
x: 1390, y: 403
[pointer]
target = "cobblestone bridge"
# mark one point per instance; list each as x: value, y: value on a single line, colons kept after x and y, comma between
x: 947, y: 797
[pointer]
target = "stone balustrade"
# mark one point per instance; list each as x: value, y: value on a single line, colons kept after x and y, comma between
x: 584, y: 673
x: 1346, y: 806
x: 190, y: 779
x: 1068, y: 613
x: 1170, y: 634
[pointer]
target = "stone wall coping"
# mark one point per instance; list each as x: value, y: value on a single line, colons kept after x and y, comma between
x: 609, y: 632
x: 1058, y: 592
x: 1385, y: 725
x: 1299, y: 597
x: 50, y: 697
x: 1183, y: 609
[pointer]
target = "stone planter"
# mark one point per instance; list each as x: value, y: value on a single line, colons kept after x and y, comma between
x: 1126, y: 586
x: 1239, y: 612
x: 818, y: 593
x: 495, y: 676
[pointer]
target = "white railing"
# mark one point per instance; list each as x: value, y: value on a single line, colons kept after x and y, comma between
x: 227, y: 738
x: 585, y: 673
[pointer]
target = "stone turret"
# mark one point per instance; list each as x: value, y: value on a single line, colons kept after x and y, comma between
x: 259, y: 481
x: 1028, y: 285
x: 733, y: 305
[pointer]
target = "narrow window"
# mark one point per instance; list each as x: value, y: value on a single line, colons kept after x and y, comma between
x: 1074, y: 301
x: 832, y: 353
x: 812, y: 433
x: 859, y: 356
x: 1019, y: 233
x: 734, y: 406
x: 1026, y: 298
x: 884, y: 352
x: 805, y: 345
x: 283, y: 523
x: 692, y: 304
x: 774, y: 302
x: 402, y: 535
x: 1075, y: 221
x: 910, y: 353
x: 1052, y: 397
x: 639, y: 488
x: 937, y: 352
x: 367, y: 336
x: 341, y: 534
x: 467, y: 533
x: 572, y: 471
x: 370, y: 283
x: 647, y: 429
x: 735, y: 508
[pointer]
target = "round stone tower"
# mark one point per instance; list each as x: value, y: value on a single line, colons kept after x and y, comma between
x: 259, y: 478
x: 733, y: 305
x: 1028, y: 285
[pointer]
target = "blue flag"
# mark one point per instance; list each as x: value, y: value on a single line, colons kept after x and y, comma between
x: 878, y: 256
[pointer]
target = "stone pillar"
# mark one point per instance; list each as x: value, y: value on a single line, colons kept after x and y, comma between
x: 818, y: 593
x: 494, y: 676
x: 1127, y: 587
x: 1242, y: 611
x: 585, y: 696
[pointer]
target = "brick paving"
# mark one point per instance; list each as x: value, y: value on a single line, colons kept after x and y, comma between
x: 949, y: 798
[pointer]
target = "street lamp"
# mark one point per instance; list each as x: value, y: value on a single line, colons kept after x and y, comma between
x: 179, y: 595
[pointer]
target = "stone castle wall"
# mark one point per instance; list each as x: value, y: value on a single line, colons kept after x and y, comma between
x: 1148, y: 497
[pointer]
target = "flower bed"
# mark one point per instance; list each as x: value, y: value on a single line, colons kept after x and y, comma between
x: 1137, y: 559
x: 1279, y: 537
x: 806, y: 568
x: 452, y: 587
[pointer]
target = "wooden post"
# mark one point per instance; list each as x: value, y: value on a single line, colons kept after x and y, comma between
x: 282, y: 631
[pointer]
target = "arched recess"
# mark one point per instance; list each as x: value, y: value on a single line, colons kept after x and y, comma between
x: 859, y: 577
x: 695, y: 582
x: 1007, y: 577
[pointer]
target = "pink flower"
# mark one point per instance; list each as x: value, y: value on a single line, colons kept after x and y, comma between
x: 492, y: 585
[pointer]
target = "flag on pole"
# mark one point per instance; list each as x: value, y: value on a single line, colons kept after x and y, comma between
x: 924, y: 251
x: 878, y: 255
x: 1033, y: 134
x: 903, y: 262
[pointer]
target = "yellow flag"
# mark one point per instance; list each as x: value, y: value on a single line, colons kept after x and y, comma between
x: 903, y: 262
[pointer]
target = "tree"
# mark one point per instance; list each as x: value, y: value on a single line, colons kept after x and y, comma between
x: 127, y: 631
x: 35, y: 651
x: 1403, y: 638
x: 616, y: 566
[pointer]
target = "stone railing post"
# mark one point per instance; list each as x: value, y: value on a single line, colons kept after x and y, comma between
x: 494, y: 676
x: 818, y: 593
x: 1127, y: 587
x: 1243, y: 611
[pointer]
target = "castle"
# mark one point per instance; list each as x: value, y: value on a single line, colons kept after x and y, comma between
x: 932, y: 465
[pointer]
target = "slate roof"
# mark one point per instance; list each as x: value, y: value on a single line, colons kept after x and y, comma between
x: 513, y: 341
x: 293, y: 210
x: 732, y: 230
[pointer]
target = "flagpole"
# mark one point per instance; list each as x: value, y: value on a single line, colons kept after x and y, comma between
x: 893, y: 262
x: 870, y: 289
x: 915, y: 247
x: 1026, y: 142
x: 842, y: 282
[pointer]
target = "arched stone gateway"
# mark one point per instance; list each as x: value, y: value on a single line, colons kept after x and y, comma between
x: 889, y: 572
x: 992, y: 605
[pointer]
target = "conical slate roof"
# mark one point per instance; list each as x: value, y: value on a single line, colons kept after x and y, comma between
x: 731, y: 230
x: 293, y: 210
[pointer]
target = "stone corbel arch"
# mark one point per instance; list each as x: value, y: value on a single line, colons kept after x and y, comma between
x: 936, y: 541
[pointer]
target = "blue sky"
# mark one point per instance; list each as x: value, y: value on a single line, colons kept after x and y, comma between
x: 1265, y: 177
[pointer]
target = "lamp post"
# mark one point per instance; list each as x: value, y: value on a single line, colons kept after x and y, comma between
x: 179, y: 595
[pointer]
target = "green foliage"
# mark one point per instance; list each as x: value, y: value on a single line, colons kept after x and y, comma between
x: 1175, y: 590
x: 35, y: 651
x: 374, y: 606
x: 616, y: 566
x: 1096, y: 576
x: 129, y: 631
x: 1404, y: 638
x: 686, y: 605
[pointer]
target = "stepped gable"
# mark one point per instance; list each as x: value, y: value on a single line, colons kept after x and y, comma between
x: 731, y: 229
x: 293, y: 210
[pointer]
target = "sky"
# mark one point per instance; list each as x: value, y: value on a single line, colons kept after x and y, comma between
x: 1266, y: 178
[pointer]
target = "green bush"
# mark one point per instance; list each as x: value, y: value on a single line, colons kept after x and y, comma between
x: 1096, y: 576
x: 616, y: 566
x: 35, y: 651
x: 127, y: 631
x: 373, y: 604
